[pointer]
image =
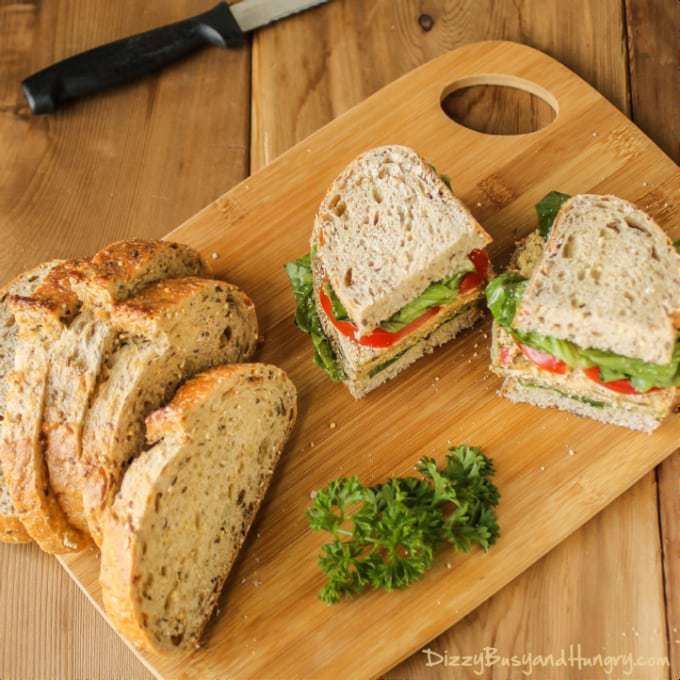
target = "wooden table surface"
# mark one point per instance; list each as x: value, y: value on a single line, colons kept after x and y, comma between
x: 139, y: 161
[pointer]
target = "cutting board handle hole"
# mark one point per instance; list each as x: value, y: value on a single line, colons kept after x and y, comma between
x: 499, y: 105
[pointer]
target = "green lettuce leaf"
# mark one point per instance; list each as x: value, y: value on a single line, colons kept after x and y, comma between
x: 503, y: 295
x: 676, y: 243
x: 437, y: 294
x: 339, y: 311
x: 547, y: 209
x: 306, y: 318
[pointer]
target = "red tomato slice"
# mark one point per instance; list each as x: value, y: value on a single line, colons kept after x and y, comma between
x: 544, y: 360
x: 505, y: 355
x: 474, y: 279
x: 622, y: 386
x: 379, y: 338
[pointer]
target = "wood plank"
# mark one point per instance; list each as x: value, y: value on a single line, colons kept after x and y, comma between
x: 349, y: 68
x: 263, y: 222
x: 669, y: 510
x: 652, y: 29
x: 134, y: 162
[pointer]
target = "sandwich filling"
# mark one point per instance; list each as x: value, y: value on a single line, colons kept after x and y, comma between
x: 441, y: 302
x: 565, y: 361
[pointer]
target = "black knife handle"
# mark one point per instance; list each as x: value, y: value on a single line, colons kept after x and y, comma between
x: 128, y: 59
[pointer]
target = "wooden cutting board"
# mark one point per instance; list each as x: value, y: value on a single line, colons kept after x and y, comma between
x: 555, y: 471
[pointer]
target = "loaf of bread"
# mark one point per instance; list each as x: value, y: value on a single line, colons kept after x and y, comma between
x: 173, y: 330
x: 186, y: 504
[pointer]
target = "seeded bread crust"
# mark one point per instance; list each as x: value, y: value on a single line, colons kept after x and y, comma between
x: 41, y: 318
x: 124, y: 268
x: 186, y: 504
x: 173, y: 330
x: 114, y: 274
x: 609, y: 278
x: 387, y: 228
x: 11, y: 528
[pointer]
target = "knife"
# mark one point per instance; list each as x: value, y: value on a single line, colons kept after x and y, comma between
x: 139, y: 55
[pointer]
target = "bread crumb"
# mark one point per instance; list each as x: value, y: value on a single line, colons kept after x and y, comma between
x: 436, y: 378
x: 332, y: 425
x: 312, y: 494
x: 542, y: 468
x: 448, y: 565
x: 571, y: 451
x: 215, y: 256
x: 257, y: 583
x: 594, y: 134
x: 479, y: 205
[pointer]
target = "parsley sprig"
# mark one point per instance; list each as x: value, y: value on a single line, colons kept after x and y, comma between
x: 386, y: 536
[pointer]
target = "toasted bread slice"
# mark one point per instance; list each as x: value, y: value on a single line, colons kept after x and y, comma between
x: 609, y: 278
x: 387, y: 228
x: 114, y: 274
x: 174, y: 329
x: 11, y: 528
x: 186, y: 504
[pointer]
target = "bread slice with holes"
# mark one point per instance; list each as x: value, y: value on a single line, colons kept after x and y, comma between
x: 186, y: 504
x: 392, y: 253
x: 115, y: 273
x: 388, y: 227
x: 173, y: 330
x: 609, y: 277
x: 11, y: 528
x: 533, y: 377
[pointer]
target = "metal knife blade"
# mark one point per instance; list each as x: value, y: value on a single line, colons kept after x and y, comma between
x: 252, y: 14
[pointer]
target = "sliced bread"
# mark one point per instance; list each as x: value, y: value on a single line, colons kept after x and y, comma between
x: 114, y: 274
x: 173, y: 329
x: 186, y: 504
x: 41, y: 318
x: 609, y: 278
x: 387, y: 228
x: 11, y: 528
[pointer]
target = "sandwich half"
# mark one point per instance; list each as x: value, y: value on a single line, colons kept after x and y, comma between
x: 396, y: 267
x: 586, y: 318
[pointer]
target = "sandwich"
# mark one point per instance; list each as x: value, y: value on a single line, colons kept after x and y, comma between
x: 586, y: 317
x: 396, y: 267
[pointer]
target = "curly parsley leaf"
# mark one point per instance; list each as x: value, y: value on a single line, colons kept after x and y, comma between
x: 386, y: 536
